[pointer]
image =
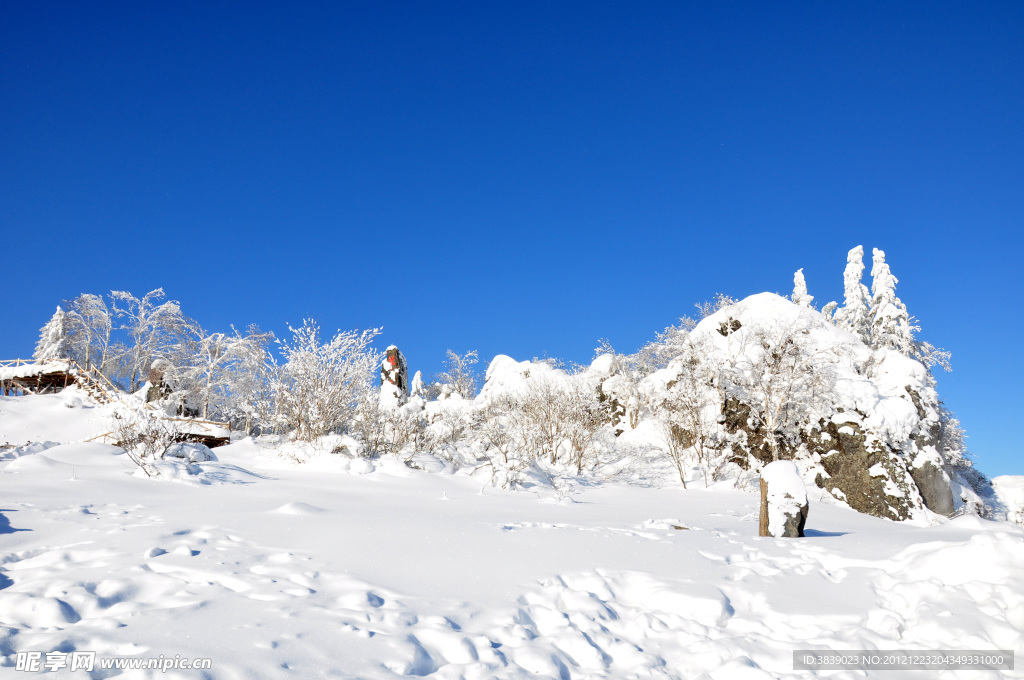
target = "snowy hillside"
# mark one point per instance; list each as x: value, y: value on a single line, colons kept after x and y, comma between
x: 847, y: 392
x: 355, y: 568
x: 864, y: 422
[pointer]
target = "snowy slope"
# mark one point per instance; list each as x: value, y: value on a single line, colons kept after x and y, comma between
x: 355, y: 569
x: 864, y: 423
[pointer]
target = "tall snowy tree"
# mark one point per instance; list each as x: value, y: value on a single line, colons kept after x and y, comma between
x: 90, y: 325
x: 54, y: 339
x: 890, y: 324
x: 800, y: 295
x: 157, y: 330
x: 854, y: 315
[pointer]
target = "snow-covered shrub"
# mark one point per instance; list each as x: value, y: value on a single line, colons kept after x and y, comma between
x: 322, y: 383
x: 387, y: 428
x: 458, y: 377
x: 533, y: 411
x: 144, y: 436
x: 686, y: 405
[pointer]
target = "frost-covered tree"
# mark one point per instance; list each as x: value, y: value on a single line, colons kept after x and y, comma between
x: 891, y: 327
x: 321, y: 383
x: 786, y: 380
x: 551, y: 414
x: 800, y: 295
x: 582, y: 416
x: 666, y: 346
x: 251, y: 378
x: 155, y: 329
x: 854, y: 316
x: 91, y: 325
x: 459, y: 376
x: 209, y: 376
x: 54, y: 339
x: 721, y: 301
x: 687, y: 411
x: 416, y: 387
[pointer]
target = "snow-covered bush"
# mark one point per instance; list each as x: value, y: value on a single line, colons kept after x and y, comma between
x: 533, y: 411
x: 458, y: 377
x: 322, y: 383
x: 686, y: 404
x: 145, y: 436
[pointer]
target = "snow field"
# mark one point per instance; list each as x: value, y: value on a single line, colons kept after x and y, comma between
x: 347, y: 568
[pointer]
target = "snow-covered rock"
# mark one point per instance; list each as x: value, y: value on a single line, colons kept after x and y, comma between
x: 394, y: 378
x: 193, y: 452
x: 797, y: 386
x: 783, y: 501
x: 1010, y: 491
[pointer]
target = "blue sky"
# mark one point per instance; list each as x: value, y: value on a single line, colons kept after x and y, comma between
x: 521, y: 178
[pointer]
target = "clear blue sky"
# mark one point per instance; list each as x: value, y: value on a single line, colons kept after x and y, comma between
x: 520, y: 178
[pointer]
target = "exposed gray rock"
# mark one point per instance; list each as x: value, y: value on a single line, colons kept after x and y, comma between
x: 934, y: 486
x: 158, y: 388
x: 849, y: 462
x: 729, y: 327
x: 746, y: 437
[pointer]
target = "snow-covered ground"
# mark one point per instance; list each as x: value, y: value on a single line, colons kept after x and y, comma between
x: 371, y: 569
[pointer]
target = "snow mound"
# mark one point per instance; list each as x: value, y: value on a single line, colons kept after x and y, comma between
x: 1010, y: 491
x: 299, y: 508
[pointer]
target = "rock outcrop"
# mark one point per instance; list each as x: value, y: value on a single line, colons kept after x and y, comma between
x: 394, y: 377
x: 933, y: 483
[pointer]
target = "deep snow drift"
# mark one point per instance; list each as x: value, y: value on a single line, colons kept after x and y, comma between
x: 349, y: 568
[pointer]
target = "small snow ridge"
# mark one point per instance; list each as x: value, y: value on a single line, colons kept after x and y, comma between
x: 299, y: 508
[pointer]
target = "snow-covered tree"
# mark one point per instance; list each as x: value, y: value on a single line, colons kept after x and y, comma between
x: 891, y: 327
x: 156, y: 330
x: 784, y: 377
x: 90, y: 327
x: 666, y: 346
x: 582, y: 416
x: 854, y: 315
x: 548, y: 414
x: 209, y: 376
x: 800, y: 295
x: 687, y: 412
x: 416, y: 387
x: 321, y: 383
x: 251, y: 378
x: 459, y: 376
x: 54, y: 339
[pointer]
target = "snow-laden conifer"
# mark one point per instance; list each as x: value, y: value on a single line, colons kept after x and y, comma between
x: 54, y: 339
x: 854, y: 315
x: 890, y: 323
x: 800, y: 295
x: 416, y: 387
